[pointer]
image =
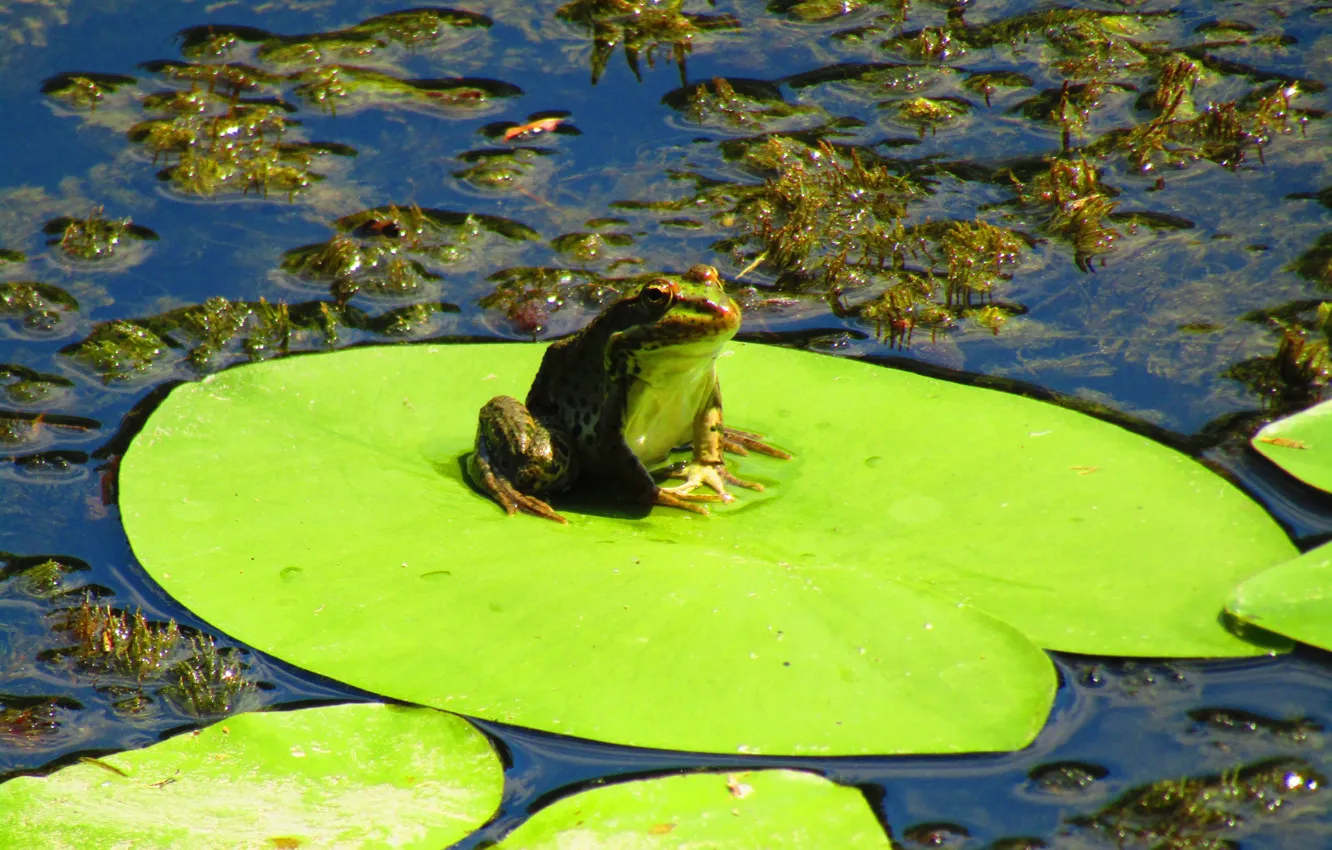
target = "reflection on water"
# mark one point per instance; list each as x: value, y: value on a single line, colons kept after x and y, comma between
x: 1127, y: 204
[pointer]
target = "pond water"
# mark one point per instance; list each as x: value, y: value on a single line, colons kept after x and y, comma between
x: 1123, y: 207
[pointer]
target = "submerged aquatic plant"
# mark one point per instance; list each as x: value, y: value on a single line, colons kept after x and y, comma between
x: 1077, y: 207
x: 835, y: 222
x: 1221, y: 132
x: 117, y: 642
x: 988, y: 82
x: 22, y: 385
x: 390, y: 250
x: 218, y: 322
x: 327, y: 86
x: 976, y: 254
x: 374, y: 38
x: 94, y: 237
x: 200, y: 679
x: 43, y: 579
x: 590, y: 246
x: 500, y: 169
x: 220, y: 332
x: 28, y: 721
x: 740, y: 105
x: 820, y: 204
x: 210, y: 683
x: 1208, y: 811
x: 1083, y: 41
x: 826, y: 10
x: 241, y: 148
x: 119, y: 349
x: 20, y: 430
x: 38, y: 306
x: 1237, y: 722
x: 643, y: 27
x: 927, y: 113
x: 222, y: 125
x: 904, y: 306
x: 531, y: 298
x: 84, y: 91
x: 1296, y: 375
x: 129, y: 701
x: 838, y: 222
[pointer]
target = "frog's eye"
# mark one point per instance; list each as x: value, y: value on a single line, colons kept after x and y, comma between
x: 656, y: 295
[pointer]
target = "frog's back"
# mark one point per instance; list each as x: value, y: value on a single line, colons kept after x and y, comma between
x: 570, y: 390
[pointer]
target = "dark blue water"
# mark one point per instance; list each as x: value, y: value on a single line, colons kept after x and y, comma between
x: 1121, y: 340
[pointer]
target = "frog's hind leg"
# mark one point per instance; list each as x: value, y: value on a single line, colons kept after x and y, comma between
x: 517, y: 456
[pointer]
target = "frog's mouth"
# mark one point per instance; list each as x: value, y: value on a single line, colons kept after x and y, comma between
x: 704, y: 321
x: 717, y: 310
x: 685, y: 341
x: 701, y: 347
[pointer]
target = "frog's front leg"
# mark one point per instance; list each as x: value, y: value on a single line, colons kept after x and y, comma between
x: 518, y: 456
x: 708, y: 465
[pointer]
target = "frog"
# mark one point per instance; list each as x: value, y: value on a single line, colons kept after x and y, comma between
x: 612, y: 401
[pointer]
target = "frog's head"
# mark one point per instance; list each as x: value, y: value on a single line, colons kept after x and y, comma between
x: 690, y: 314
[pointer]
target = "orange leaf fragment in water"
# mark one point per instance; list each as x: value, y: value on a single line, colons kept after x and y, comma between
x: 531, y: 128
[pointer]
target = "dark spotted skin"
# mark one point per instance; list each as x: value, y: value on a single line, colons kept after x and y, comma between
x: 573, y: 421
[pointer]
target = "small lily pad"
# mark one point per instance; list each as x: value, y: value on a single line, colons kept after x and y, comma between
x: 762, y: 809
x: 1301, y: 444
x: 1293, y: 599
x: 345, y: 776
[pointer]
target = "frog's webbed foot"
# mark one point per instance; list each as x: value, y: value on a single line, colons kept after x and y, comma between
x: 714, y: 475
x: 501, y: 490
x: 743, y: 442
x: 696, y: 474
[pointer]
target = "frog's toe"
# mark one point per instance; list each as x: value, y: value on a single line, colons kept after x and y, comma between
x: 740, y: 482
x: 690, y: 495
x: 743, y: 442
x: 536, y: 507
x: 670, y: 499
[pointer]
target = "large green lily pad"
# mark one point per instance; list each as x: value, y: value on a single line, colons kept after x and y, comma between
x: 1301, y: 444
x: 342, y: 776
x: 315, y: 508
x: 762, y: 809
x: 1293, y: 599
